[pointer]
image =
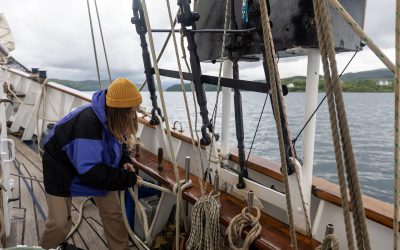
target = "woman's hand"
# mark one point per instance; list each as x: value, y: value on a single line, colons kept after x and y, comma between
x: 139, y: 180
x: 129, y: 167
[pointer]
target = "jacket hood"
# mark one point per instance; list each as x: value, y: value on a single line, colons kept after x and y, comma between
x: 99, y: 106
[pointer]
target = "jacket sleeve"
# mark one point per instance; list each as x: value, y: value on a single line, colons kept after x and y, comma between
x: 125, y: 156
x: 85, y: 153
x: 104, y: 177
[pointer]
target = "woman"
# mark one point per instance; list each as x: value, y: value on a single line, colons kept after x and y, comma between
x: 84, y: 156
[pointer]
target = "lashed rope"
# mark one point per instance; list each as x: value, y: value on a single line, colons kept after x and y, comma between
x: 275, y: 88
x: 396, y: 133
x: 339, y: 124
x: 330, y: 242
x: 205, y: 229
x: 238, y: 223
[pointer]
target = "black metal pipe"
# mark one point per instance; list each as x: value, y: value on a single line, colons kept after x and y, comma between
x: 139, y: 22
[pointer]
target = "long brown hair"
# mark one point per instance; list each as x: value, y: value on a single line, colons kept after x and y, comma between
x: 123, y: 124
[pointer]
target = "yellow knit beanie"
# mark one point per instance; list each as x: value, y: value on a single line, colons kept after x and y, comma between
x: 122, y: 93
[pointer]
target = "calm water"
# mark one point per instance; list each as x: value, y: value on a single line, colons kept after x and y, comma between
x: 370, y: 117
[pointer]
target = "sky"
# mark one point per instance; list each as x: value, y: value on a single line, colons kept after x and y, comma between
x: 55, y: 35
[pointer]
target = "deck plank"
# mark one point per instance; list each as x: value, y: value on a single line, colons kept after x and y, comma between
x: 90, y: 234
x: 30, y: 237
x: 17, y: 228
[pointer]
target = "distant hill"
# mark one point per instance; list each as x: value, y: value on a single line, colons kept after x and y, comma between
x: 177, y: 87
x: 85, y: 85
x: 377, y: 74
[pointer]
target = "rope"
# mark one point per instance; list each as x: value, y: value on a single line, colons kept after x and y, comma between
x: 164, y: 108
x: 102, y: 40
x: 134, y: 237
x: 201, y: 168
x: 76, y: 226
x: 3, y: 236
x: 330, y: 242
x: 160, y: 54
x: 238, y: 223
x: 204, y: 233
x: 396, y: 133
x: 340, y: 130
x: 322, y: 101
x: 255, y: 132
x: 274, y: 80
x: 94, y: 44
x: 359, y: 31
x: 198, y: 159
x: 215, y: 111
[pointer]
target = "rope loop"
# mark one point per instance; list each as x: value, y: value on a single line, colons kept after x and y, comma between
x: 238, y: 223
x: 330, y: 242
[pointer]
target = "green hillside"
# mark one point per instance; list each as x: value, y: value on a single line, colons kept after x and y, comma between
x: 177, y: 87
x: 86, y: 85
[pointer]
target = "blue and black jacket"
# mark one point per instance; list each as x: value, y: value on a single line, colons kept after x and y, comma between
x: 81, y: 156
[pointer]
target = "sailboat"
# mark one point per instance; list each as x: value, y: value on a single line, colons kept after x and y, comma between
x: 217, y: 198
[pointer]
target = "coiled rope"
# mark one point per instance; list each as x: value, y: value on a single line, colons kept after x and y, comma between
x: 339, y: 125
x: 238, y: 223
x: 205, y: 228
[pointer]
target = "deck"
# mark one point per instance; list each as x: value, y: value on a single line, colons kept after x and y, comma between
x: 29, y: 212
x: 274, y: 233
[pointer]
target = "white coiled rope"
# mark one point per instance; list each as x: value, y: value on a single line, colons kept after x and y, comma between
x: 204, y: 233
x: 238, y: 223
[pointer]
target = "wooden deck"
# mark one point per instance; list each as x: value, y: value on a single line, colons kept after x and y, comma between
x: 30, y: 211
x: 274, y: 233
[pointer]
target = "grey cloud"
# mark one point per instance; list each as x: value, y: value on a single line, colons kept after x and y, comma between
x: 55, y: 35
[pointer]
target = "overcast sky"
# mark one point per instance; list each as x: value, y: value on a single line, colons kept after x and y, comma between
x: 55, y: 35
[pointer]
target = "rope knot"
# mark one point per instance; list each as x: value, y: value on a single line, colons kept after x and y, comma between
x: 238, y: 223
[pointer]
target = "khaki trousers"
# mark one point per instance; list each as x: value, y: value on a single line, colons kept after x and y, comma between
x: 59, y: 222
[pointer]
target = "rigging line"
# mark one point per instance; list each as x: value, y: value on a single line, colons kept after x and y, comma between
x: 214, y: 115
x: 94, y: 44
x: 161, y: 52
x: 167, y: 127
x: 279, y: 110
x: 102, y: 40
x: 172, y: 23
x: 255, y: 133
x: 323, y: 99
x: 192, y: 88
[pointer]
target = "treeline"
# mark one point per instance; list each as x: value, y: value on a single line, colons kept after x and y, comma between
x: 347, y: 86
